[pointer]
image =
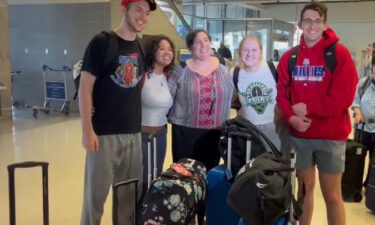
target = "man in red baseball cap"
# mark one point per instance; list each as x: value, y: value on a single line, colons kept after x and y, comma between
x: 111, y: 134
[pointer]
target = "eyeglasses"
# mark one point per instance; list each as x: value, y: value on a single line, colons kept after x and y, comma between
x: 310, y: 22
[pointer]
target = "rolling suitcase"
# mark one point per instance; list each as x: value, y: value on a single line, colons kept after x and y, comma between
x: 175, y: 197
x: 370, y: 188
x: 115, y: 201
x: 151, y: 174
x: 220, y: 179
x: 12, y: 194
x: 352, y: 178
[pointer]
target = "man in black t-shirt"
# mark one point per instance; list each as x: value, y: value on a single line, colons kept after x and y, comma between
x: 110, y: 108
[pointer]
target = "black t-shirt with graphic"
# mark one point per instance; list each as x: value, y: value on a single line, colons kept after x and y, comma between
x: 117, y: 89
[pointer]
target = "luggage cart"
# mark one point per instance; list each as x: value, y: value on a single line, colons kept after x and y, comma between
x: 15, y: 103
x: 55, y: 89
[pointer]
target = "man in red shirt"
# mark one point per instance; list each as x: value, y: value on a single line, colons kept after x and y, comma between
x: 315, y: 101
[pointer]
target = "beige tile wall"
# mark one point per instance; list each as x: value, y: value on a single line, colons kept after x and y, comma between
x: 5, y: 95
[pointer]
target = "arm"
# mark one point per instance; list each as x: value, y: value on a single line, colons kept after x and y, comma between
x: 283, y: 88
x: 173, y: 80
x: 89, y: 138
x: 294, y: 114
x: 358, y: 118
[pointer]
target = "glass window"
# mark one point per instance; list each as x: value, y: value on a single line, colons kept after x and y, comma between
x: 262, y: 29
x: 215, y: 29
x: 188, y: 20
x: 199, y: 10
x: 214, y: 11
x: 251, y: 13
x: 231, y: 11
x: 240, y: 12
x: 188, y: 9
x: 234, y: 31
x: 200, y: 23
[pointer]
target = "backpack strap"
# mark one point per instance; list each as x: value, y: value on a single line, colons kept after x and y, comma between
x: 273, y: 70
x: 141, y: 48
x: 292, y: 60
x: 111, y: 51
x: 362, y: 89
x: 329, y: 56
x: 236, y: 104
x: 143, y: 54
x: 236, y: 74
x: 113, y: 45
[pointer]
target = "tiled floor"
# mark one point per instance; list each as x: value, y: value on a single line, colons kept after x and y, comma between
x: 56, y: 138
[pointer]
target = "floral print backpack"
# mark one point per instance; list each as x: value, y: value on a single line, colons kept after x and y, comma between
x: 175, y: 196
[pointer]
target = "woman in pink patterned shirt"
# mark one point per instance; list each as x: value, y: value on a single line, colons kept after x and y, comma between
x: 202, y: 93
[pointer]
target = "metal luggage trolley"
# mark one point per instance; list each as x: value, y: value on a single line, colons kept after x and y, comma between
x: 55, y: 89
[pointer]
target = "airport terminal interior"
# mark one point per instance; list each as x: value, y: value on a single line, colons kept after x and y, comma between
x: 34, y: 49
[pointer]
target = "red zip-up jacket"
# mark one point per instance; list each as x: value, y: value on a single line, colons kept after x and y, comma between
x: 327, y: 95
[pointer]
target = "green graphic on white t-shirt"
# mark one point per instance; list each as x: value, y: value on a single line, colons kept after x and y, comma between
x: 257, y: 96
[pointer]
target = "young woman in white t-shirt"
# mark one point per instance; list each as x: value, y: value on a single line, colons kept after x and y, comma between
x: 257, y: 88
x: 156, y: 97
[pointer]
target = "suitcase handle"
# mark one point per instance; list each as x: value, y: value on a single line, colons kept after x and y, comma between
x: 115, y: 199
x: 151, y: 174
x: 248, y: 137
x: 12, y: 194
x: 358, y: 130
x: 28, y: 164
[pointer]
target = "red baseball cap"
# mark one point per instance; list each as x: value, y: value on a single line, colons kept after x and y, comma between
x: 152, y: 3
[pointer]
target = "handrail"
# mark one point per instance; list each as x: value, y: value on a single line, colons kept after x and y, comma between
x: 64, y: 68
x: 180, y: 16
x: 67, y: 68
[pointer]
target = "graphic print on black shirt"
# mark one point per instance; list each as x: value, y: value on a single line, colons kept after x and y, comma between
x: 127, y: 75
x: 257, y: 96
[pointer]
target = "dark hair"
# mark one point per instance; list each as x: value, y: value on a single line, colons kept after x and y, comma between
x: 192, y: 35
x: 316, y: 6
x: 152, y: 46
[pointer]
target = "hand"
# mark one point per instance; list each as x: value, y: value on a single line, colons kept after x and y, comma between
x: 300, y: 109
x: 300, y: 123
x: 358, y: 118
x: 90, y: 141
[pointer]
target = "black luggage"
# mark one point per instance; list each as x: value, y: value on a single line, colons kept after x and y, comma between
x: 352, y: 178
x: 115, y: 203
x: 12, y: 194
x: 263, y: 189
x: 370, y: 188
x: 151, y: 174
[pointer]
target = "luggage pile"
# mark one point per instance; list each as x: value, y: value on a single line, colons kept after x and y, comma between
x: 261, y: 193
x: 176, y: 195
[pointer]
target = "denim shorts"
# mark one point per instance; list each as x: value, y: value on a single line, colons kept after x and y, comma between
x: 328, y: 155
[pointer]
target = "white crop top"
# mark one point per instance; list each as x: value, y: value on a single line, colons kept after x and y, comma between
x: 156, y: 100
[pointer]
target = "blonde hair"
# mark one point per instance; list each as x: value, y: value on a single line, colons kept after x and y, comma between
x: 249, y: 37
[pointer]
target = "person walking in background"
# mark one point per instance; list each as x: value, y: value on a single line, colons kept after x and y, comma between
x: 110, y: 109
x: 314, y: 101
x: 224, y: 51
x: 276, y: 56
x: 156, y: 98
x: 202, y: 93
x: 221, y: 59
x: 364, y: 112
x: 257, y: 89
